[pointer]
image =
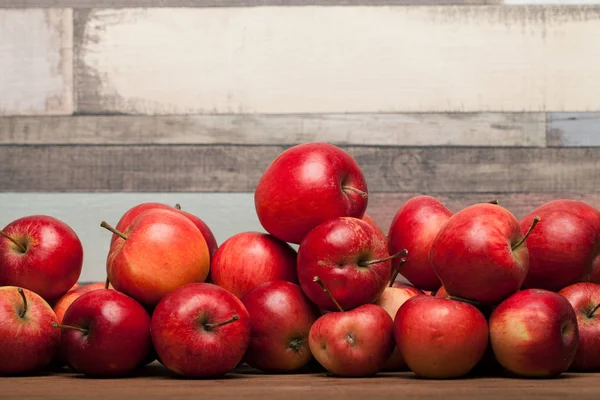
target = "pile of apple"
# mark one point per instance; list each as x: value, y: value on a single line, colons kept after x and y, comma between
x: 488, y: 292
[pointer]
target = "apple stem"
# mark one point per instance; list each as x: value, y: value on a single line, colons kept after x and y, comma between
x: 397, y: 271
x: 178, y: 206
x: 362, y: 194
x: 371, y: 262
x: 105, y: 225
x: 320, y: 282
x: 76, y: 328
x: 464, y: 300
x: 496, y: 202
x: 210, y: 327
x: 22, y: 248
x: 24, y: 310
x: 107, y: 283
x: 533, y: 224
x: 591, y: 313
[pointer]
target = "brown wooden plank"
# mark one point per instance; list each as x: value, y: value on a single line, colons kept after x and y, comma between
x: 224, y: 168
x: 154, y: 383
x: 479, y: 129
x: 573, y: 129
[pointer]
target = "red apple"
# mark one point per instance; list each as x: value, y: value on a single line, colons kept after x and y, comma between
x: 42, y: 254
x: 480, y: 254
x: 414, y: 227
x: 563, y: 249
x: 211, y: 242
x: 350, y: 257
x: 585, y: 299
x: 105, y: 333
x: 27, y: 341
x: 160, y: 251
x: 249, y: 259
x: 353, y: 343
x: 281, y: 317
x: 390, y: 300
x: 200, y: 330
x: 61, y: 306
x: 307, y: 185
x: 595, y: 276
x: 440, y: 338
x: 534, y: 333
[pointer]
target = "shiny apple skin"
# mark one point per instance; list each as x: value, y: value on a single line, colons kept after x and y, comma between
x: 61, y: 306
x: 281, y: 317
x: 28, y: 343
x: 164, y: 251
x: 585, y: 297
x: 332, y: 252
x: 534, y: 333
x: 353, y: 343
x: 52, y: 263
x: 563, y: 248
x: 367, y: 218
x: 415, y: 227
x: 473, y: 257
x: 184, y: 345
x: 302, y: 188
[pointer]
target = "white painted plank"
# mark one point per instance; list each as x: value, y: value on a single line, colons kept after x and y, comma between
x: 573, y: 129
x: 338, y: 59
x: 555, y: 2
x: 419, y: 129
x: 36, y: 62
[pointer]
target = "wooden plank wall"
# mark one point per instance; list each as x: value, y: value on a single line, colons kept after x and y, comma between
x: 104, y: 105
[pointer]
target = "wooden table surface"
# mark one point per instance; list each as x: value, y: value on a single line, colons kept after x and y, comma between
x: 155, y: 381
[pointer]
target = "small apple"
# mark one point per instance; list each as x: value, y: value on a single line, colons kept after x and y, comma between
x: 200, y: 330
x: 440, y: 338
x: 350, y: 257
x: 42, y: 254
x: 27, y: 341
x: 307, y: 185
x: 281, y: 317
x: 249, y: 259
x: 104, y: 333
x: 480, y: 254
x: 585, y: 299
x: 160, y: 251
x: 534, y: 333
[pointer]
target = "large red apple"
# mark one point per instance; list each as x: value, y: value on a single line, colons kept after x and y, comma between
x: 440, y: 338
x: 105, y: 333
x: 585, y: 299
x: 414, y: 227
x: 281, y: 317
x: 200, y: 330
x: 42, y: 254
x: 480, y: 254
x: 353, y: 343
x: 61, y: 306
x: 563, y: 249
x: 27, y: 341
x: 534, y: 333
x: 350, y: 257
x: 307, y: 185
x: 160, y: 251
x: 390, y: 300
x: 249, y: 259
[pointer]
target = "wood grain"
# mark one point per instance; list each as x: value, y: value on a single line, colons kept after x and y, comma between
x: 573, y: 129
x: 221, y: 168
x: 352, y: 59
x: 507, y: 129
x: 36, y: 57
x: 155, y: 383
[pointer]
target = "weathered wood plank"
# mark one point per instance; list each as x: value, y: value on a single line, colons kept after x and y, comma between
x: 352, y: 59
x: 226, y: 168
x: 36, y: 62
x: 486, y: 129
x: 573, y: 129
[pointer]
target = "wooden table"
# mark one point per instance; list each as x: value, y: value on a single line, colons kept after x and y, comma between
x: 154, y: 382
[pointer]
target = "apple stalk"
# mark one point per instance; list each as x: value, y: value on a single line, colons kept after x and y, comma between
x: 21, y: 248
x: 371, y: 262
x: 75, y: 328
x: 362, y: 194
x: 520, y: 242
x: 105, y: 225
x: 591, y: 313
x: 210, y: 327
x: 24, y: 310
x: 320, y: 282
x: 397, y: 271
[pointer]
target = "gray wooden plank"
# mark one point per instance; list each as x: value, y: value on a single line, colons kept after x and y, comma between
x: 36, y: 62
x: 232, y: 168
x: 573, y: 129
x: 485, y: 129
x: 351, y: 60
x: 225, y: 3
